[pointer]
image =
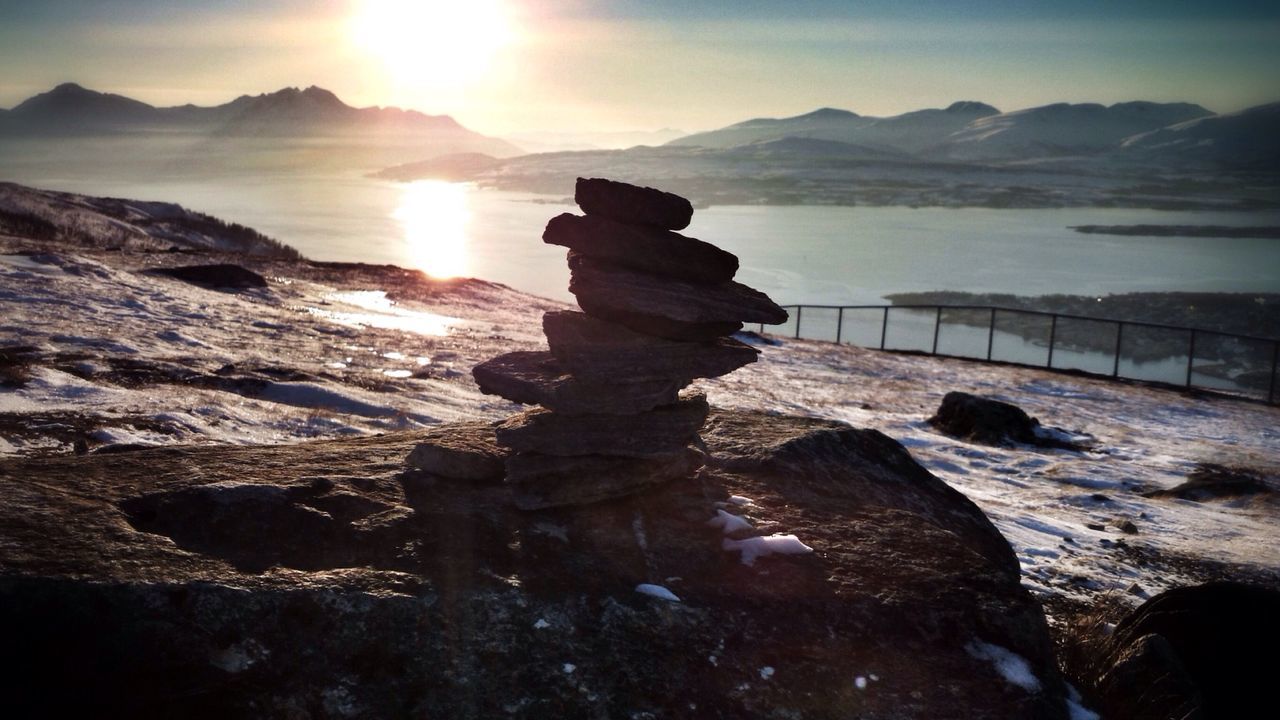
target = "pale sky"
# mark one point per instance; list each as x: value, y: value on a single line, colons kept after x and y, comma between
x: 508, y: 66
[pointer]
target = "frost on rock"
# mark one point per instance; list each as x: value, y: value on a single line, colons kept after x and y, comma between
x: 758, y: 547
x: 656, y: 591
x: 728, y: 522
x: 1011, y: 666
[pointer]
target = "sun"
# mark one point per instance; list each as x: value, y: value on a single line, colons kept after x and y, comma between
x: 432, y: 42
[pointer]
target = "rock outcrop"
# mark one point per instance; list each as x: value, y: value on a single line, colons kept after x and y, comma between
x: 325, y: 580
x: 1192, y: 652
x: 658, y: 310
x: 992, y: 422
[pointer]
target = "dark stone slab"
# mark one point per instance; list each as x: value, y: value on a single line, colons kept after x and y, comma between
x: 648, y: 249
x: 603, y: 285
x: 656, y: 325
x: 601, y: 351
x: 537, y: 378
x: 632, y: 204
x: 545, y: 481
x: 215, y: 276
x: 465, y: 451
x: 656, y: 433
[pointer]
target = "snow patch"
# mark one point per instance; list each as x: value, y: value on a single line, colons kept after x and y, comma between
x: 757, y: 547
x: 656, y: 591
x: 1011, y: 666
x: 728, y: 522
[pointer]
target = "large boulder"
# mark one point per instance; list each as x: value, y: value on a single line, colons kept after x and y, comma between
x: 127, y: 590
x: 648, y: 249
x: 632, y: 204
x: 1193, y: 652
x: 609, y: 288
x: 599, y: 351
x: 993, y: 422
x: 655, y: 433
x: 537, y: 378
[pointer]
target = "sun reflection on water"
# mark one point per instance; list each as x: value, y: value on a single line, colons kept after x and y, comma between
x: 435, y: 215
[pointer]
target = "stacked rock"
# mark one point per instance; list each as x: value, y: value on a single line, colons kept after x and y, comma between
x: 658, y: 310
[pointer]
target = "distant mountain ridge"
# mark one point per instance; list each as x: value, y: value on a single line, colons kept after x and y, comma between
x: 72, y: 110
x: 970, y: 131
x: 909, y: 132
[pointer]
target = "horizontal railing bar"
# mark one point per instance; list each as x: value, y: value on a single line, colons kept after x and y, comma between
x: 1043, y: 313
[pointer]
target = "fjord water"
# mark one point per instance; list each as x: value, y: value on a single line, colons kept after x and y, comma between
x: 797, y: 254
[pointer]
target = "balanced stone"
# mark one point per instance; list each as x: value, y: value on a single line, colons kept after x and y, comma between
x: 544, y: 481
x: 656, y: 325
x: 467, y: 451
x: 537, y: 378
x: 646, y: 248
x: 597, y: 350
x: 612, y: 288
x: 656, y: 433
x: 632, y: 204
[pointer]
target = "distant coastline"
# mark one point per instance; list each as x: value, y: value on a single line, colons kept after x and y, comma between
x: 1265, y: 232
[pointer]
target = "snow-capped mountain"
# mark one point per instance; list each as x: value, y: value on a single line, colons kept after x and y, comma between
x: 1246, y: 139
x: 1061, y: 129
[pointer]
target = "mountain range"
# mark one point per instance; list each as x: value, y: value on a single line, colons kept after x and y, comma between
x: 1147, y: 132
x: 311, y: 114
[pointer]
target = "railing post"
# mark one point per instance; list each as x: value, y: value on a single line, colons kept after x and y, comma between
x: 937, y: 325
x: 1115, y: 369
x: 884, y: 326
x: 991, y: 334
x: 799, y: 314
x: 1275, y: 364
x: 839, y: 324
x: 1053, y: 334
x: 1191, y: 357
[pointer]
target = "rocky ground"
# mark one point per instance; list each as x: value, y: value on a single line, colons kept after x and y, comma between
x: 151, y: 427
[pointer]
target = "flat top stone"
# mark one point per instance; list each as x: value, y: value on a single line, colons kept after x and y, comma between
x: 633, y: 204
x: 650, y: 249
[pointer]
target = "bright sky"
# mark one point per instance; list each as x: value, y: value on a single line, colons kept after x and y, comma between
x: 506, y: 66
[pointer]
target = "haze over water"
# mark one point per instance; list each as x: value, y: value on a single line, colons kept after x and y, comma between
x: 797, y: 254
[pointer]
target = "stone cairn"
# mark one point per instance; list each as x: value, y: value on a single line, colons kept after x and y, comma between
x: 657, y: 312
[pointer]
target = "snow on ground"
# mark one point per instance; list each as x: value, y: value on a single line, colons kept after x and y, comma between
x: 100, y: 353
x: 1060, y: 510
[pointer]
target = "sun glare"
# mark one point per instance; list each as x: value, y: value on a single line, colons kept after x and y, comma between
x: 434, y: 215
x: 432, y: 42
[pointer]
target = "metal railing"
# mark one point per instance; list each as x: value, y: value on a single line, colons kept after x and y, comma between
x: 1193, y: 358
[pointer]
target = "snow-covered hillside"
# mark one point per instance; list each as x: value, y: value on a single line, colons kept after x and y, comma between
x: 1062, y: 129
x: 107, y: 223
x: 99, y: 355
